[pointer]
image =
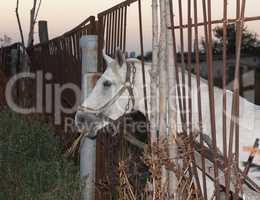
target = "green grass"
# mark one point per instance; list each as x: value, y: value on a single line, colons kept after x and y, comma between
x: 32, y: 166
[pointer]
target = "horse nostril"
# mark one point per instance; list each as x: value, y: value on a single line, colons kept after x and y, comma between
x: 80, y: 118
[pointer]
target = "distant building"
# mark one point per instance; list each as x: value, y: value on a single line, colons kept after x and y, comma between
x: 249, y: 75
x: 126, y: 54
x: 132, y: 54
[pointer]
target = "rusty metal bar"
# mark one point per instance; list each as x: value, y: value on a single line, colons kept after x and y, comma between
x: 247, y: 19
x: 100, y: 33
x: 120, y: 5
x: 122, y: 28
x: 118, y: 27
x: 189, y: 67
x: 110, y: 28
x: 142, y: 58
x: 237, y: 124
x: 104, y: 21
x: 69, y: 45
x: 191, y: 135
x: 125, y: 24
x: 107, y: 42
x: 116, y: 30
x: 182, y: 65
x: 237, y: 108
x: 177, y: 75
x: 235, y: 101
x: 211, y: 92
x: 113, y: 34
x: 197, y: 68
x: 76, y: 46
x: 237, y: 137
x: 116, y: 21
x: 224, y: 100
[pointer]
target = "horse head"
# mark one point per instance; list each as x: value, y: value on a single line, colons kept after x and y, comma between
x: 114, y: 95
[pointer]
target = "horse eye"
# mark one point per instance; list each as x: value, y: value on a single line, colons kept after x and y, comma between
x: 107, y: 83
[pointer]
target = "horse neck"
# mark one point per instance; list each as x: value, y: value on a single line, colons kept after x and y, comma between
x: 139, y: 98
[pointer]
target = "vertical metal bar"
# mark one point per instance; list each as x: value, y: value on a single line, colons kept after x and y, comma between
x: 104, y: 22
x: 142, y: 58
x: 230, y: 148
x: 107, y: 34
x: 189, y: 67
x: 238, y: 40
x: 197, y: 68
x: 193, y: 167
x: 235, y: 102
x: 224, y: 100
x: 70, y: 46
x: 118, y: 28
x: 115, y: 31
x: 75, y: 46
x: 182, y: 62
x: 208, y: 32
x: 121, y: 28
x: 113, y: 34
x: 178, y: 89
x: 238, y: 8
x: 108, y: 42
x: 176, y: 64
x: 125, y: 25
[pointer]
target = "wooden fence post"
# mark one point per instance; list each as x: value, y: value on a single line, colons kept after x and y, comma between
x: 88, y: 45
x: 14, y: 69
x: 43, y: 31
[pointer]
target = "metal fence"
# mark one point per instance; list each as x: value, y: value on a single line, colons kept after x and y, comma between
x: 6, y: 63
x: 189, y: 40
x: 61, y: 58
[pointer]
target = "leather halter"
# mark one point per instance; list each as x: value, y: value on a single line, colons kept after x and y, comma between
x: 126, y: 86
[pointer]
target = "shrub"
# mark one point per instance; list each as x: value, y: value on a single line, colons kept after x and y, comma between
x: 3, y: 81
x: 31, y: 162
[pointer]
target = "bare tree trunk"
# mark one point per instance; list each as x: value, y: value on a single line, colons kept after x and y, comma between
x: 19, y: 22
x: 25, y: 67
x: 172, y: 118
x: 163, y: 89
x: 154, y: 87
x: 33, y: 17
x: 154, y: 73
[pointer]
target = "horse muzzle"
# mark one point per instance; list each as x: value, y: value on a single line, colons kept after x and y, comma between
x: 88, y: 123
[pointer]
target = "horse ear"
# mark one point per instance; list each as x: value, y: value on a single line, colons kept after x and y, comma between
x: 120, y: 57
x: 108, y: 59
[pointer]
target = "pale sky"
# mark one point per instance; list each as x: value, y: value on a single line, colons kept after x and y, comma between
x: 63, y: 15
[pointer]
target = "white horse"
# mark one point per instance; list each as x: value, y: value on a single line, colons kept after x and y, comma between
x: 109, y: 98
